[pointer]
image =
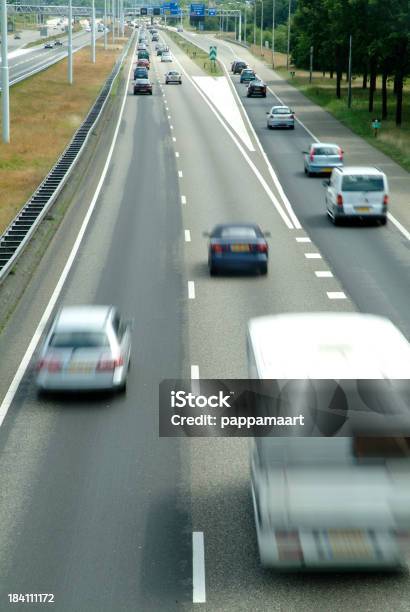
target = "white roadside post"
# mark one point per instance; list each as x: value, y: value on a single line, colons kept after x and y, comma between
x: 5, y: 85
x: 105, y: 24
x: 240, y: 26
x: 70, y: 43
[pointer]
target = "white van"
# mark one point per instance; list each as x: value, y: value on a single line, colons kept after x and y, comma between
x: 325, y: 503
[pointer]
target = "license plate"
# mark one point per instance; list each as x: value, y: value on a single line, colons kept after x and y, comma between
x: 80, y: 368
x: 327, y: 169
x: 350, y: 544
x: 239, y: 248
x: 362, y: 209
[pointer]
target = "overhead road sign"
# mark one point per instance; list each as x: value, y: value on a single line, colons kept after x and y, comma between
x: 143, y: 11
x: 156, y: 10
x: 212, y: 12
x: 197, y: 10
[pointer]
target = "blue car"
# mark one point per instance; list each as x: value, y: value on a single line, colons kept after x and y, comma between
x: 247, y: 75
x: 237, y: 246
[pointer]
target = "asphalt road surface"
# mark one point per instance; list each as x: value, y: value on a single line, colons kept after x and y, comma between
x: 95, y: 508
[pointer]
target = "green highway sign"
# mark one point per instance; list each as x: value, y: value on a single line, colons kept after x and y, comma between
x: 212, y: 53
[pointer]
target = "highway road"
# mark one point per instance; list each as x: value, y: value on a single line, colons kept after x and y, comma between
x: 25, y: 62
x: 95, y: 508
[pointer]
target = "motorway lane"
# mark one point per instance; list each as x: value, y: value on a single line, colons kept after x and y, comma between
x: 221, y: 500
x: 35, y: 58
x: 371, y: 262
x: 92, y: 506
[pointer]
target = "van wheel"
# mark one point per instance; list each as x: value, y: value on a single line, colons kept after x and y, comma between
x: 263, y: 269
x: 383, y: 221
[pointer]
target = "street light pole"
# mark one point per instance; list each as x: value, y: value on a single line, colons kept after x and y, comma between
x: 273, y: 33
x: 288, y: 49
x: 349, y: 92
x: 5, y: 75
x: 113, y: 20
x: 310, y: 64
x: 254, y: 23
x: 70, y: 43
x: 93, y: 32
x: 245, y: 31
x: 105, y: 24
x: 240, y: 26
x: 261, y: 25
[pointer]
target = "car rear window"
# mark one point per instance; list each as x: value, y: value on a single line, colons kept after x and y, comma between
x: 362, y: 182
x: 82, y: 339
x: 238, y: 232
x: 280, y: 111
x: 325, y: 150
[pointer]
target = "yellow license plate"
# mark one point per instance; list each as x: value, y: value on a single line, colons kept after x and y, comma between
x: 327, y: 169
x: 362, y: 209
x: 350, y: 544
x: 240, y: 248
x: 80, y: 368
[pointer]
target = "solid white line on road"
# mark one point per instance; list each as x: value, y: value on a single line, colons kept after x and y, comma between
x: 180, y: 173
x: 324, y: 274
x: 313, y: 256
x: 176, y: 154
x: 183, y: 199
x: 198, y: 567
x: 191, y: 290
x: 21, y: 370
x: 174, y: 139
x: 335, y: 295
x: 303, y: 239
x: 187, y: 236
x: 399, y: 226
x: 194, y: 372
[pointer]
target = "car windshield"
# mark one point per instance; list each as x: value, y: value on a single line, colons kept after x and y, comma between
x: 238, y: 232
x: 280, y: 111
x: 79, y: 339
x: 362, y: 182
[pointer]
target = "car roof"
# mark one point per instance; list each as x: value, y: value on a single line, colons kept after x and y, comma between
x: 280, y: 106
x: 361, y: 170
x: 90, y: 318
x: 329, y: 345
x: 222, y: 226
x: 324, y: 144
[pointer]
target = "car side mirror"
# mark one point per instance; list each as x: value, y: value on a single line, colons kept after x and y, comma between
x: 268, y: 112
x: 326, y: 183
x: 267, y: 234
x: 305, y: 152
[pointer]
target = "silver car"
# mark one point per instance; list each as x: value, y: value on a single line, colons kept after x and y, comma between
x: 173, y: 76
x: 87, y: 348
x: 322, y: 157
x: 166, y: 57
x: 357, y: 191
x: 281, y: 116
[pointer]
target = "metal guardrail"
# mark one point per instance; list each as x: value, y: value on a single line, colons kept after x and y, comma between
x: 22, y: 228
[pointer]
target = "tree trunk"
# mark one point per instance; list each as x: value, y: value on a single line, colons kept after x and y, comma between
x: 372, y: 86
x: 339, y: 75
x: 331, y: 74
x: 384, y: 93
x: 395, y: 85
x: 364, y: 84
x: 399, y: 98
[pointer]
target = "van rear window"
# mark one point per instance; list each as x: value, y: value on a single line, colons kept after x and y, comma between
x: 362, y: 182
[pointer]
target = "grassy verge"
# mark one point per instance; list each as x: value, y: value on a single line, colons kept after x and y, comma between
x: 393, y: 141
x: 196, y: 54
x: 45, y: 113
x: 42, y: 41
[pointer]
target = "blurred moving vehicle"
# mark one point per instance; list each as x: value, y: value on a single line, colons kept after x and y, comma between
x: 323, y: 502
x: 238, y: 65
x: 87, y: 348
x: 166, y: 56
x: 17, y: 36
x: 237, y: 246
x: 322, y: 157
x: 173, y: 76
x: 180, y: 29
x: 247, y: 75
x: 141, y: 72
x: 280, y: 116
x: 357, y: 192
x: 142, y: 86
x: 256, y: 87
x: 143, y: 54
x: 58, y: 43
x: 144, y: 63
x: 49, y: 45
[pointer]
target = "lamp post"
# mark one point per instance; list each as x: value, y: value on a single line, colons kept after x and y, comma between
x: 254, y: 23
x: 273, y: 33
x: 93, y: 32
x: 288, y: 49
x: 105, y: 24
x: 261, y: 26
x: 70, y: 43
x: 5, y: 75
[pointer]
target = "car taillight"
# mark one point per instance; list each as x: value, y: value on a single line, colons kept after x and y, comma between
x: 340, y: 154
x: 339, y: 199
x: 312, y: 155
x: 385, y: 200
x: 107, y: 365
x: 216, y: 248
x: 51, y: 365
x: 262, y: 248
x: 289, y: 546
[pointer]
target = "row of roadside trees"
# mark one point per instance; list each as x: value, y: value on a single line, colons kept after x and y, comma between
x: 380, y: 32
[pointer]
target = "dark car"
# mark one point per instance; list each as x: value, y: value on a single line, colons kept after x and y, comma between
x: 48, y: 45
x: 142, y: 86
x: 140, y: 73
x: 238, y: 66
x: 58, y: 43
x: 247, y: 75
x: 237, y: 246
x: 256, y: 88
x: 143, y: 54
x: 162, y: 50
